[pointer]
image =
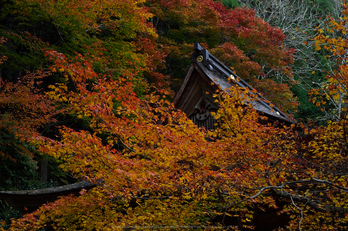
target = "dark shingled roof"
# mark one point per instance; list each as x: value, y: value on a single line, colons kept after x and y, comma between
x: 216, y: 72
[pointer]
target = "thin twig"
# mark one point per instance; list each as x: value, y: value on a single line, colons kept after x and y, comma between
x: 299, y: 223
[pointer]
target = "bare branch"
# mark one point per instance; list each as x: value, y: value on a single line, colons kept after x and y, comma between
x: 310, y: 202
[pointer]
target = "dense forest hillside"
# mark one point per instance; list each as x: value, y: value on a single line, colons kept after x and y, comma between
x: 86, y: 90
x: 298, y: 21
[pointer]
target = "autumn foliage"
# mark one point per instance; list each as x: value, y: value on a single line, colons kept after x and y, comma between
x: 99, y: 103
x: 331, y: 95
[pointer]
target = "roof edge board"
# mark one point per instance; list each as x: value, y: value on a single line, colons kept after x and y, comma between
x: 183, y: 85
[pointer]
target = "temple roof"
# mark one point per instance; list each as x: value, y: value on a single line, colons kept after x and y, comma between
x: 214, y: 71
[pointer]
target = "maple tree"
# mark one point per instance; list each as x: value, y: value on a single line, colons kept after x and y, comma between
x: 151, y: 165
x: 169, y: 174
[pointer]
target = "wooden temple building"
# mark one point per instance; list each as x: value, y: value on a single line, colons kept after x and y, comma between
x: 206, y: 75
